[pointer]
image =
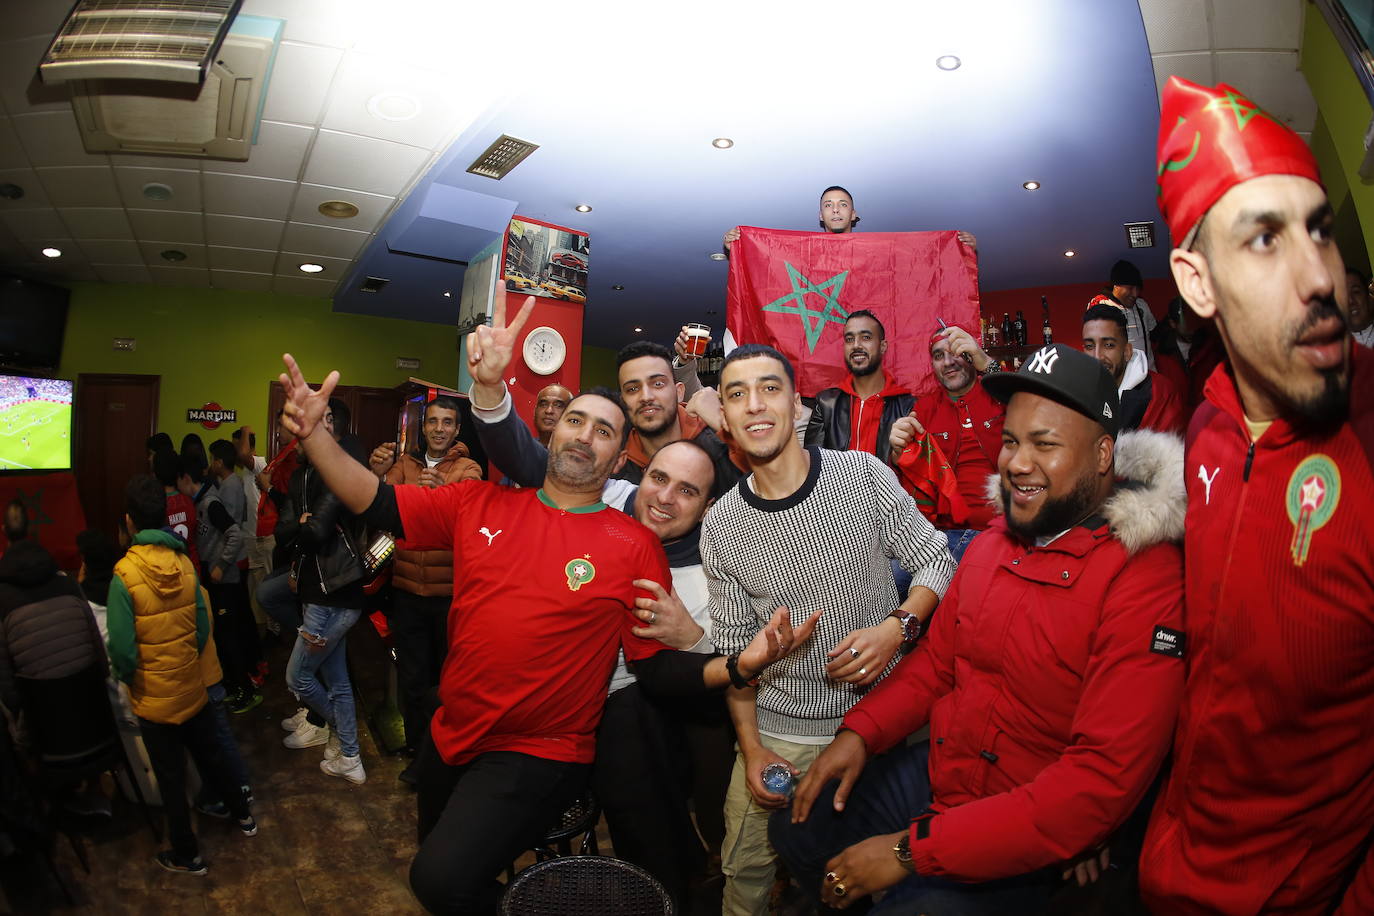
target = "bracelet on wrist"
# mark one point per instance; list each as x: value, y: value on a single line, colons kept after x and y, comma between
x: 736, y: 676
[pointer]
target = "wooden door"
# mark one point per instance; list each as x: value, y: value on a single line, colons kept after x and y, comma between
x: 373, y: 414
x: 115, y: 415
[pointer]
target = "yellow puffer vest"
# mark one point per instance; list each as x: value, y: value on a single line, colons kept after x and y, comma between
x: 169, y: 682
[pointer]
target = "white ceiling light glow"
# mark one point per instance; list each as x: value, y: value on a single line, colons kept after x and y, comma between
x: 948, y: 62
x: 394, y: 106
x: 311, y: 268
x: 52, y: 252
x: 1070, y: 253
x: 722, y: 143
x: 583, y: 208
x: 1031, y: 185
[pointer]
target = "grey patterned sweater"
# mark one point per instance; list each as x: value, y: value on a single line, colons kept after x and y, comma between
x: 827, y: 546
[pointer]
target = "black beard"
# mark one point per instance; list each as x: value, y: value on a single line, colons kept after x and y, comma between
x: 862, y: 371
x: 1055, y: 515
x: 1330, y: 406
x: 668, y: 416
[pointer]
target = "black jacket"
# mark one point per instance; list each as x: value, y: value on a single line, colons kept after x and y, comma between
x: 47, y: 629
x: 829, y: 424
x: 326, y: 552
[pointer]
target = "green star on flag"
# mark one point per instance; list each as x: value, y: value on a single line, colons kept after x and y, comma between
x: 813, y: 320
x: 1240, y: 106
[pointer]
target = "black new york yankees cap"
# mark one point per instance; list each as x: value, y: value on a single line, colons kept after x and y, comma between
x: 1063, y: 374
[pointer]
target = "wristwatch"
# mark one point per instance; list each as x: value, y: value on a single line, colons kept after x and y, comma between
x: 911, y: 627
x: 902, y: 850
x: 994, y: 365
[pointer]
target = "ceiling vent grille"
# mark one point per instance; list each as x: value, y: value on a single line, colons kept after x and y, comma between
x: 502, y: 156
x: 172, y: 40
x: 1140, y: 235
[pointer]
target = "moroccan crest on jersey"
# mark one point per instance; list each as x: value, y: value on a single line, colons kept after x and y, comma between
x: 580, y: 571
x: 1313, y: 491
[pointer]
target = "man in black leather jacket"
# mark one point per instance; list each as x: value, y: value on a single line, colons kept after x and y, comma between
x: 859, y: 413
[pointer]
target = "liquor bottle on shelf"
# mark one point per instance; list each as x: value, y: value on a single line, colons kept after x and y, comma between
x: 1019, y: 328
x: 1045, y: 328
x: 982, y: 332
x: 1008, y: 338
x: 993, y: 338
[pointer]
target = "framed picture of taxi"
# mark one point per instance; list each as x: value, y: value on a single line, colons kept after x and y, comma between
x: 542, y: 259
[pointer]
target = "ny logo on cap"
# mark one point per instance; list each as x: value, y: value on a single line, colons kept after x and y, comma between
x: 1043, y: 361
x: 1107, y: 411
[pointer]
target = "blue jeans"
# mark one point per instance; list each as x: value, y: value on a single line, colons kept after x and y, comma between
x: 227, y: 746
x: 959, y: 539
x: 894, y: 788
x: 277, y: 600
x: 320, y: 654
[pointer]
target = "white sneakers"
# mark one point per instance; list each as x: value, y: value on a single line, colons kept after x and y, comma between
x: 293, y: 722
x: 350, y: 768
x: 307, y: 735
x: 303, y: 735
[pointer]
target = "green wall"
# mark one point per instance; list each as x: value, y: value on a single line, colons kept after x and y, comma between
x: 225, y: 346
x: 598, y: 368
x: 1338, y: 140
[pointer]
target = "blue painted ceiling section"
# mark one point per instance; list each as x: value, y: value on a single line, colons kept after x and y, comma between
x: 1058, y: 92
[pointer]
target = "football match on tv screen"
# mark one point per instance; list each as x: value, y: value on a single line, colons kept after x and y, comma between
x: 35, y: 423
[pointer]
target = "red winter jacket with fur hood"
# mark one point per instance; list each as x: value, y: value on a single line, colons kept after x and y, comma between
x: 1049, y: 680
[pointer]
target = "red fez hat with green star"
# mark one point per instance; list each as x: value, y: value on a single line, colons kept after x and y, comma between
x: 1210, y: 140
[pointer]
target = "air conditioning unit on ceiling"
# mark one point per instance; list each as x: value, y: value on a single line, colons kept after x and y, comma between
x: 136, y: 89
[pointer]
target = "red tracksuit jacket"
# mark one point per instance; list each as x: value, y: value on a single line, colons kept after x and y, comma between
x: 1270, y: 803
x: 1049, y: 701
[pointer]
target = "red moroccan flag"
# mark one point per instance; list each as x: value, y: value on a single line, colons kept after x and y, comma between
x: 55, y: 516
x: 793, y: 291
x: 925, y: 473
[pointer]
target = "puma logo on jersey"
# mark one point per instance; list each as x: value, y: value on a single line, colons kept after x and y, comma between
x: 484, y: 530
x: 1207, y: 481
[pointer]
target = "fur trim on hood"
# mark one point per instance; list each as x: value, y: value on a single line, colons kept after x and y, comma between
x: 1149, y: 501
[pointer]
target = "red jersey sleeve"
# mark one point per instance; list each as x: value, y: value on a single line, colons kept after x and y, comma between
x: 430, y: 516
x: 653, y: 566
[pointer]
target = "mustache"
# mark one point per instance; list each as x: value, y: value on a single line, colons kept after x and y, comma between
x: 1321, y: 310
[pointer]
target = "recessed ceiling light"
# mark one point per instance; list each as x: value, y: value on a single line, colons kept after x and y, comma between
x: 639, y: 330
x: 52, y: 252
x: 11, y: 191
x: 617, y: 286
x: 448, y: 294
x: 1070, y: 253
x: 393, y: 106
x: 722, y: 143
x: 583, y: 208
x: 1031, y: 185
x: 717, y: 256
x: 311, y: 268
x: 172, y: 254
x: 155, y: 190
x: 948, y: 62
x: 338, y: 209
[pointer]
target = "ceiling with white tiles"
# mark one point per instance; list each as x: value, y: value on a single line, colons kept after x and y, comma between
x: 624, y: 99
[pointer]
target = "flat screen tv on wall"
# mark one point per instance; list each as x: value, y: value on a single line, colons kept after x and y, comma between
x: 35, y: 423
x: 33, y: 317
